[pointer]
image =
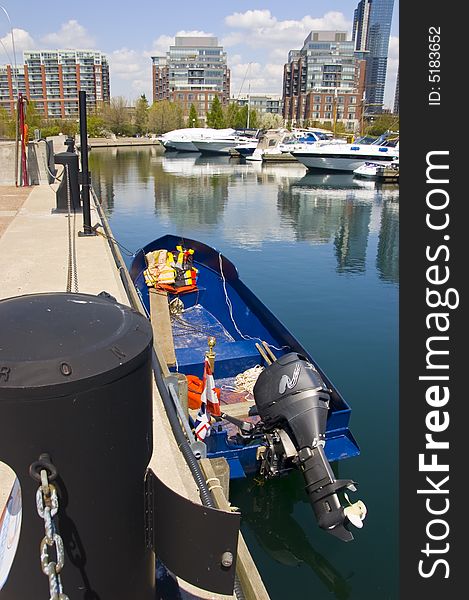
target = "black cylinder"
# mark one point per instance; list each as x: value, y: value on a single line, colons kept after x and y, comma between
x: 85, y: 174
x: 65, y: 188
x: 77, y: 384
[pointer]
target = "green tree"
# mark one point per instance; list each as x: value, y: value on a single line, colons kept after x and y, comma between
x: 193, y: 117
x: 270, y: 121
x: 6, y: 124
x: 230, y: 112
x: 117, y: 117
x: 382, y: 123
x: 141, y: 115
x: 254, y: 119
x: 95, y: 125
x: 215, y: 116
x: 33, y: 118
x: 67, y: 127
x: 165, y: 116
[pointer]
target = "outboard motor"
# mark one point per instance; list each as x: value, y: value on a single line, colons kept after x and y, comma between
x: 293, y: 402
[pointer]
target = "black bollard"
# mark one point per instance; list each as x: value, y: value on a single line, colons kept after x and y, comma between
x: 76, y: 384
x: 69, y: 187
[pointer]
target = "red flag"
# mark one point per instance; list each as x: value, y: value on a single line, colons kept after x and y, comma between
x: 209, y: 393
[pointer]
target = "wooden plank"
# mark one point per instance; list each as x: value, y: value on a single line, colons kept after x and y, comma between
x: 246, y: 570
x: 239, y: 409
x: 134, y: 297
x: 161, y: 323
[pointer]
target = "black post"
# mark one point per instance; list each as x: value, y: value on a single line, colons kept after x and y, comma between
x: 76, y: 384
x: 85, y: 174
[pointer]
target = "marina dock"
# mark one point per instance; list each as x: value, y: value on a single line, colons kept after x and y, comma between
x: 34, y: 245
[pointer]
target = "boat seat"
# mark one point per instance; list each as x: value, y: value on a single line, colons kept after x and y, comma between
x: 231, y: 358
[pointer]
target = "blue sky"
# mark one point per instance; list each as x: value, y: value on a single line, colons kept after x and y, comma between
x: 260, y: 33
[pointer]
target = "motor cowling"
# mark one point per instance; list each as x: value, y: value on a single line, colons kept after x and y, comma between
x: 292, y: 400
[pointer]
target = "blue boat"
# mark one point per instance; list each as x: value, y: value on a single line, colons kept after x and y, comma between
x: 248, y: 335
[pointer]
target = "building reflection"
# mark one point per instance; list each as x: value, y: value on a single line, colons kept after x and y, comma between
x: 387, y: 258
x: 188, y: 191
x: 192, y: 191
x: 326, y: 207
x: 351, y: 238
x: 112, y: 168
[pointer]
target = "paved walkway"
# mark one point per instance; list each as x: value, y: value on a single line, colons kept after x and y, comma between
x: 34, y: 258
x: 12, y: 199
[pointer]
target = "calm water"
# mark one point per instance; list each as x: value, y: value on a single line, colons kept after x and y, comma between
x: 322, y: 252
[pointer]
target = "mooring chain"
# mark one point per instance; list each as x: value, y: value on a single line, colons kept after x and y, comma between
x: 72, y: 275
x: 47, y: 503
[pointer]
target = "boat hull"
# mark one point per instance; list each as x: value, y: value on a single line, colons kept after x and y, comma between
x: 218, y: 280
x: 339, y: 161
x: 184, y: 146
x: 215, y: 146
x: 245, y: 150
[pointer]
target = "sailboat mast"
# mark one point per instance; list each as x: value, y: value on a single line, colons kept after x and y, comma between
x: 249, y: 104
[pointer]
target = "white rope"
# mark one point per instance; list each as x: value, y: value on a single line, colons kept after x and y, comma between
x: 245, y: 382
x: 230, y: 310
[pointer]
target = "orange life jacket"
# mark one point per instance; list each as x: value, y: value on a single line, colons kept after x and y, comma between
x: 195, y: 388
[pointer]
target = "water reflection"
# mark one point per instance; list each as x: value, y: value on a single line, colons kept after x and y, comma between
x: 254, y: 203
x: 268, y: 513
x: 387, y: 259
x: 321, y: 250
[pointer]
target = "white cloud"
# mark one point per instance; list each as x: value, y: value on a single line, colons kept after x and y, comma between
x: 260, y: 29
x: 193, y: 33
x: 274, y: 38
x: 70, y: 35
x: 250, y: 19
x: 130, y: 73
x: 162, y: 43
x: 23, y: 41
x: 255, y: 77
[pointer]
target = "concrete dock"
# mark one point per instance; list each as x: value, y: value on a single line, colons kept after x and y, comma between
x: 34, y: 250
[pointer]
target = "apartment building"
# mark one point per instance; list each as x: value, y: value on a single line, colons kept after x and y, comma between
x: 52, y: 80
x: 261, y: 103
x: 324, y: 81
x: 193, y: 71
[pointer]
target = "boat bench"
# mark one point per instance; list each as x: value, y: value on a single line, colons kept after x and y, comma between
x: 231, y: 358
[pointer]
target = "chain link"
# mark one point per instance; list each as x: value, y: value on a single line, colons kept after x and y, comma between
x: 47, y: 504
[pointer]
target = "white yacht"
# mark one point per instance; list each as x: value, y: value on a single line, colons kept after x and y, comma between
x: 348, y: 157
x: 181, y: 139
x: 381, y: 171
x: 278, y: 142
x: 223, y: 142
x: 185, y: 140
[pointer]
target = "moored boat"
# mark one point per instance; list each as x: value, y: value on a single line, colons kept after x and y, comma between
x: 378, y: 171
x: 290, y: 415
x: 279, y: 143
x: 224, y: 143
x: 347, y: 157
